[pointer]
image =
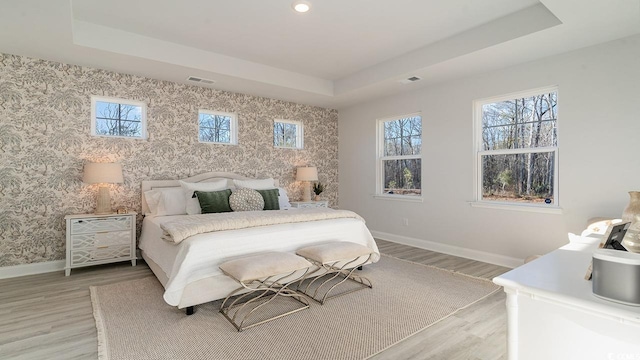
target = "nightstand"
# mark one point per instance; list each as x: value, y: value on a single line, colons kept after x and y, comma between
x: 310, y: 204
x: 100, y: 239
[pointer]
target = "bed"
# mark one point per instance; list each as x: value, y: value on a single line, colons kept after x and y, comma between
x: 189, y: 271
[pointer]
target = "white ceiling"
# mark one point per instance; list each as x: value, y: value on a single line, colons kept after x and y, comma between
x: 340, y: 53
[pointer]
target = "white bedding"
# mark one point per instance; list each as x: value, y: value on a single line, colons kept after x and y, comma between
x: 199, y: 256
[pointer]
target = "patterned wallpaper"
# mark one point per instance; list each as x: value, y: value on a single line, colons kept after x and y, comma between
x: 45, y: 139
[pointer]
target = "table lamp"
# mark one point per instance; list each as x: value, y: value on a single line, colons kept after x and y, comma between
x: 308, y: 174
x: 103, y: 174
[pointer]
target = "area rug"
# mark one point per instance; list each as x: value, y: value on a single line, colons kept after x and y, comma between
x: 134, y: 322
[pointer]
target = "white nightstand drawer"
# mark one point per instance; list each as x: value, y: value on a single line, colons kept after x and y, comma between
x: 93, y: 225
x: 94, y: 239
x: 88, y: 256
x: 103, y: 238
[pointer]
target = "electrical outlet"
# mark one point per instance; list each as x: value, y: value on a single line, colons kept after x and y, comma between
x: 405, y: 221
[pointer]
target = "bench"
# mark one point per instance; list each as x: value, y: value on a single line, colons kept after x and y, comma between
x: 339, y: 260
x: 264, y: 278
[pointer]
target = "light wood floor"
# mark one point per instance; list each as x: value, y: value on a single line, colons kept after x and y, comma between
x: 49, y: 316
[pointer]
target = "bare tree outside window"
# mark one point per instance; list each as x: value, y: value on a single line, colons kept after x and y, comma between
x: 118, y: 118
x: 287, y: 134
x: 519, y: 149
x: 400, y: 161
x: 217, y: 127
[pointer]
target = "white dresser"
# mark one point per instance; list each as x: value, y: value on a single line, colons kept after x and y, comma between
x: 100, y: 239
x: 553, y: 314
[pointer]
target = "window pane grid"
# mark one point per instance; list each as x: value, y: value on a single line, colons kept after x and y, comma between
x: 517, y: 151
x: 216, y: 127
x: 287, y: 134
x: 400, y: 161
x: 117, y: 119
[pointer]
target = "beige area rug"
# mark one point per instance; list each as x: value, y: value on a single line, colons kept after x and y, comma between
x: 134, y: 322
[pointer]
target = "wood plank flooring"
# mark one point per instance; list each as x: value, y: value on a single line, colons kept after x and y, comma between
x: 49, y: 316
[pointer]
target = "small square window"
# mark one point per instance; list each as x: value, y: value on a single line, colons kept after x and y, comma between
x: 118, y: 118
x: 217, y: 127
x: 287, y: 134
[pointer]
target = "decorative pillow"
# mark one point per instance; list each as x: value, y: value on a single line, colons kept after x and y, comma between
x: 246, y: 200
x: 256, y: 184
x: 283, y: 199
x: 171, y: 201
x: 192, y: 205
x: 270, y: 197
x: 214, y: 201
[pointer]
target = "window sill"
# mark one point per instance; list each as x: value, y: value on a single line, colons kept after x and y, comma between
x: 399, y: 198
x: 287, y: 147
x: 516, y: 207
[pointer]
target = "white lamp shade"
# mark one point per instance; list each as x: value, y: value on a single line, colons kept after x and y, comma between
x: 97, y: 173
x: 307, y: 173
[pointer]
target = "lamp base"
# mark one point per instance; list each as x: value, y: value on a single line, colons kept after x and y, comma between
x: 306, y: 195
x: 103, y: 201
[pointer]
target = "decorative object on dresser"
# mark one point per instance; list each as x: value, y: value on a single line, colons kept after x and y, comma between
x: 631, y: 214
x: 318, y: 188
x: 309, y: 204
x: 103, y: 174
x: 100, y: 239
x: 307, y: 174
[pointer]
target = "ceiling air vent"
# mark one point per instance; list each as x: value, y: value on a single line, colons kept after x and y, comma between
x: 410, y: 80
x: 200, y: 80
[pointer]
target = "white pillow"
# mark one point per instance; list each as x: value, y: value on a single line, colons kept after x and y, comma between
x: 192, y: 204
x: 262, y: 184
x: 283, y: 199
x: 152, y: 197
x: 171, y: 201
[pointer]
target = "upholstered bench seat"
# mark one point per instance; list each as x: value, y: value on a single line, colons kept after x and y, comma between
x: 334, y: 252
x: 263, y: 265
x: 339, y: 260
x: 265, y: 278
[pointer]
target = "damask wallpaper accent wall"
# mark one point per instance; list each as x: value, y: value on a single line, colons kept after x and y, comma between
x: 45, y: 140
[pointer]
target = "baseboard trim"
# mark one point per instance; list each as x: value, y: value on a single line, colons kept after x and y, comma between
x: 31, y: 269
x: 490, y: 258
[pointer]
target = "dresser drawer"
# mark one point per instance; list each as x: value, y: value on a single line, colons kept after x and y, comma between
x: 96, y: 254
x: 98, y: 239
x: 89, y: 225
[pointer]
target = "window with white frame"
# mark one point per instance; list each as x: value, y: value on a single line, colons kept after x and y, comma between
x: 399, y: 165
x: 288, y: 134
x: 217, y: 127
x: 517, y: 148
x: 118, y: 118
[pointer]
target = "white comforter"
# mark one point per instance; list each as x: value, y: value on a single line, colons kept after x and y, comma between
x: 199, y: 256
x: 191, y: 225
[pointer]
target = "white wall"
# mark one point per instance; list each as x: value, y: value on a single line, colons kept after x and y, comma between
x: 599, y: 156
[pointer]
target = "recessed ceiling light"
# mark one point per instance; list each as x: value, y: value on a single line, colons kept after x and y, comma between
x: 301, y: 6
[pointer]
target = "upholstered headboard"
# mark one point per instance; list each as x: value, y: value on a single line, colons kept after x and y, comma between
x: 206, y: 177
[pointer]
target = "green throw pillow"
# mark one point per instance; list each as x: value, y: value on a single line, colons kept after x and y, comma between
x: 270, y: 197
x: 214, y: 201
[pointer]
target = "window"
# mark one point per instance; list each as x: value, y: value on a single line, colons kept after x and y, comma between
x: 399, y: 156
x: 217, y: 127
x: 517, y: 148
x: 287, y: 134
x: 118, y: 118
